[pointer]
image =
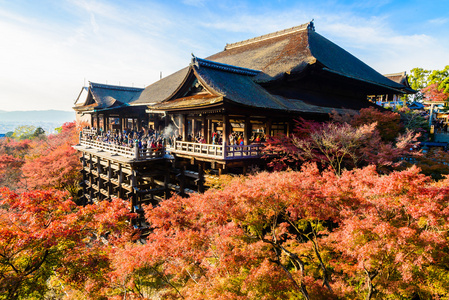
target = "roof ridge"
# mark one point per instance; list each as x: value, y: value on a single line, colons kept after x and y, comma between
x: 224, y: 67
x: 396, y: 74
x: 272, y: 35
x: 115, y: 87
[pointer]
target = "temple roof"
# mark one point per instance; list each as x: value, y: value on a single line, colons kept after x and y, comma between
x: 104, y: 96
x: 274, y: 55
x: 400, y: 78
x: 225, y: 83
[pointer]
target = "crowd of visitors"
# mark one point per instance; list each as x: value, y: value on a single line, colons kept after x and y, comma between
x: 150, y: 138
x: 145, y: 138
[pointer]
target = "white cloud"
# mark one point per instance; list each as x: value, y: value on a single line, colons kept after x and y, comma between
x: 439, y: 21
x: 44, y: 61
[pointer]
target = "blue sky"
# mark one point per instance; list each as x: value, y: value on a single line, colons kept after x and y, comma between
x: 49, y: 49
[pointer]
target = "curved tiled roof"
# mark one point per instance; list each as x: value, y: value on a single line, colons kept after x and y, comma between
x: 340, y: 61
x: 107, y: 96
x: 229, y: 84
x: 288, y: 51
x: 161, y: 89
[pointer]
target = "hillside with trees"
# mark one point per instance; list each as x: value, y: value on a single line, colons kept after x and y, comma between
x: 349, y: 209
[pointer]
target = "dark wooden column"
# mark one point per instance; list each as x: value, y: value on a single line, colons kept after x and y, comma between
x: 204, y: 129
x: 226, y: 129
x: 98, y: 122
x: 247, y: 131
x: 106, y: 123
x: 84, y: 176
x: 209, y: 132
x: 109, y: 184
x: 193, y: 129
x: 91, y: 178
x: 99, y: 183
x: 268, y: 127
x: 201, y: 177
x: 184, y: 127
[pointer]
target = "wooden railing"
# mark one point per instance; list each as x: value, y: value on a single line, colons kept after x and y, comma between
x: 133, y: 153
x: 222, y: 152
x: 217, y: 151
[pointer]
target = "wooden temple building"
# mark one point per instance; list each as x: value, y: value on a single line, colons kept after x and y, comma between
x: 393, y: 98
x: 251, y: 90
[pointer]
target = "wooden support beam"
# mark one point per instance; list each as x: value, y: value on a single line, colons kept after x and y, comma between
x: 120, y: 181
x: 226, y: 129
x: 99, y: 183
x: 182, y: 180
x: 184, y: 127
x: 167, y: 181
x: 109, y: 179
x: 247, y: 131
x: 201, y: 177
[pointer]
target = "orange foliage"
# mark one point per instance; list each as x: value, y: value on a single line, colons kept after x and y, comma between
x: 300, y: 234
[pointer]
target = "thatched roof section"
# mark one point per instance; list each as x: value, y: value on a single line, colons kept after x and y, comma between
x: 289, y: 52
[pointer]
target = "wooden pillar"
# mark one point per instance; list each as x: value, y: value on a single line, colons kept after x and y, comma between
x: 209, y: 131
x: 99, y: 178
x: 247, y: 131
x: 120, y: 181
x: 226, y: 129
x: 182, y: 181
x: 97, y: 116
x: 139, y: 124
x: 184, y: 126
x: 204, y: 129
x: 109, y: 179
x: 201, y: 177
x: 133, y: 185
x: 106, y: 123
x: 193, y: 129
x: 167, y: 180
x: 268, y: 128
x: 84, y: 176
x: 91, y: 178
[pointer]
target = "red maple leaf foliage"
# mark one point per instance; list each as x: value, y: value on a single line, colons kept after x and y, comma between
x: 53, y: 162
x: 12, y: 158
x: 43, y: 234
x: 285, y: 235
x: 433, y: 93
x: 341, y: 145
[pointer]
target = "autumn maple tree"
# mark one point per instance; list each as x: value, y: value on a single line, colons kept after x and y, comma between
x: 53, y: 162
x: 295, y: 235
x: 371, y: 137
x: 434, y: 93
x: 12, y: 158
x: 44, y: 235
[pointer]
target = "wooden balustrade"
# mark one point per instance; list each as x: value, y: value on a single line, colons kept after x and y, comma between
x: 221, y: 152
x: 218, y: 151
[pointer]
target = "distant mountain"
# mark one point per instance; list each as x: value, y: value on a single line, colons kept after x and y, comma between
x: 58, y: 116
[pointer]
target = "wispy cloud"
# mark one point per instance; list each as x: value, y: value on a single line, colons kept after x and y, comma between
x: 45, y: 58
x: 439, y: 21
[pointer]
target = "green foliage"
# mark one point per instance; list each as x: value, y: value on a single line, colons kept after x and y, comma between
x: 441, y: 77
x: 39, y: 132
x: 418, y: 78
x: 24, y: 132
x: 9, y: 134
